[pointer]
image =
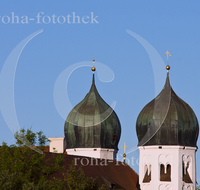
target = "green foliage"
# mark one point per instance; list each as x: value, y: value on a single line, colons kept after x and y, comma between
x: 42, y: 139
x: 11, y: 181
x: 29, y: 138
x: 24, y: 169
x: 4, y: 144
x: 198, y: 187
x: 26, y: 166
x: 25, y: 138
x: 77, y: 180
x: 103, y: 187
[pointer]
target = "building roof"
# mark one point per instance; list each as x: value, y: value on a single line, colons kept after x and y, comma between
x: 110, y: 172
x: 92, y: 123
x: 167, y: 120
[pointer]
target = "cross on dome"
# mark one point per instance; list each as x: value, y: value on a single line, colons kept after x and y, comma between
x: 124, y: 147
x: 168, y: 54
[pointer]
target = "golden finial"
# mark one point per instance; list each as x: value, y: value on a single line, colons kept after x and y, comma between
x: 93, y: 68
x: 168, y: 68
x: 167, y: 54
x: 124, y: 155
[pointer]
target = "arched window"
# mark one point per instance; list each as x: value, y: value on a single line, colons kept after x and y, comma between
x: 147, y: 176
x: 186, y: 175
x: 165, y: 172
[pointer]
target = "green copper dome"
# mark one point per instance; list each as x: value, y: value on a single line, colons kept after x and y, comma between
x: 92, y: 123
x: 167, y: 120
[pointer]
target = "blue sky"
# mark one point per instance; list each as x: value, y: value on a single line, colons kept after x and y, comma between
x: 163, y: 24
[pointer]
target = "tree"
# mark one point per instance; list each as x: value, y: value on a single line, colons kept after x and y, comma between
x: 77, y: 180
x: 42, y: 139
x: 25, y: 137
x: 198, y: 187
x: 29, y: 138
x: 21, y: 168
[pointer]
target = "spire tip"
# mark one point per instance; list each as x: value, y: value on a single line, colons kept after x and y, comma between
x: 93, y: 68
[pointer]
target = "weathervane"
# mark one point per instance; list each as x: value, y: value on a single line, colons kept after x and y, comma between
x: 167, y: 54
x: 124, y: 155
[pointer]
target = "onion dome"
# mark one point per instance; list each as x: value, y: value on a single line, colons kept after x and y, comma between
x: 92, y: 123
x: 167, y: 120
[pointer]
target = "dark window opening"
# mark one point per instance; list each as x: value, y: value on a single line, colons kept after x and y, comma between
x: 186, y: 176
x: 147, y: 178
x: 165, y: 175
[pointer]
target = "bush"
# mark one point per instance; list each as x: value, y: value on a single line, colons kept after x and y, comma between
x: 21, y: 168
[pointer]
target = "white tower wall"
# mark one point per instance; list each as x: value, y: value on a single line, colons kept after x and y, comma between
x: 58, y: 145
x: 151, y: 159
x: 101, y: 153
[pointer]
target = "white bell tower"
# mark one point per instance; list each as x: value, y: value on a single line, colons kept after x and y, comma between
x: 167, y: 130
x: 167, y: 168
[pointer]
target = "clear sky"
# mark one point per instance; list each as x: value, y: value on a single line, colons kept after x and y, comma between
x: 70, y: 32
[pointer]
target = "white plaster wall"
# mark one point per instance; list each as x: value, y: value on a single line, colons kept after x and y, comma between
x: 102, y: 153
x: 146, y: 187
x: 58, y: 143
x: 154, y: 156
x: 188, y: 187
x: 165, y: 187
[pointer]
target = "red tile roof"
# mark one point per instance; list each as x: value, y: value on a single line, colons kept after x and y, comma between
x: 108, y: 172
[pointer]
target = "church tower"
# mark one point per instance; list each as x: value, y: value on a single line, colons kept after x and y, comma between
x: 167, y: 131
x: 92, y: 128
